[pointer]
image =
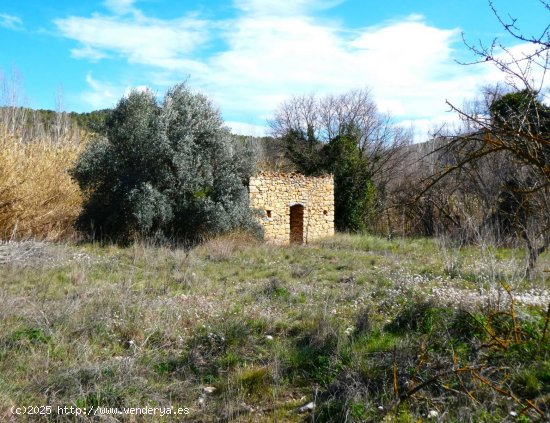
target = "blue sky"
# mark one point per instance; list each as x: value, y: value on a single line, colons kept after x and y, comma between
x: 250, y: 55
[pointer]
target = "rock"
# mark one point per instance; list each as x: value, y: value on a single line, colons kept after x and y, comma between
x: 432, y: 414
x: 209, y: 390
x: 348, y: 279
x: 310, y: 406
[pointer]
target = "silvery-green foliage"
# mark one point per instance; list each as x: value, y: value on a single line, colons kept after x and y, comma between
x: 168, y: 170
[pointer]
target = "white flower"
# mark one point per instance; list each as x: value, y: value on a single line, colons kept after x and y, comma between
x: 432, y: 414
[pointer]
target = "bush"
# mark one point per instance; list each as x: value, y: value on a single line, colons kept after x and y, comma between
x: 354, y: 191
x: 166, y: 171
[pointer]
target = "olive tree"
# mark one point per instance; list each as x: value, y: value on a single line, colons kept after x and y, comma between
x: 166, y: 170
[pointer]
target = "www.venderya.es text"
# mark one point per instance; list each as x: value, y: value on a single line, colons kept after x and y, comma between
x: 99, y: 411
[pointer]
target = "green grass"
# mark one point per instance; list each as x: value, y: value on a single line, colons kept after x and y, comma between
x: 270, y: 328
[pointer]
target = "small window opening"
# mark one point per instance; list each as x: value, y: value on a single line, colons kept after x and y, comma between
x: 268, y: 214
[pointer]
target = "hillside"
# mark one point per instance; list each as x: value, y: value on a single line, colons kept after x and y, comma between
x: 47, y: 120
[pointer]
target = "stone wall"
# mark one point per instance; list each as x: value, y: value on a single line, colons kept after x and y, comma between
x: 294, y: 208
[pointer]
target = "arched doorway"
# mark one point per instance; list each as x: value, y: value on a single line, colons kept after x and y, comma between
x: 297, y: 224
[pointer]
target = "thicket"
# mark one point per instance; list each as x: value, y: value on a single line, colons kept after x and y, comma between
x: 38, y: 199
x: 490, y: 179
x: 166, y: 171
x: 348, y: 136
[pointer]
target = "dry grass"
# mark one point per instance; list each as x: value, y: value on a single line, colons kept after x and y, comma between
x: 245, y: 332
x: 222, y: 248
x: 38, y: 198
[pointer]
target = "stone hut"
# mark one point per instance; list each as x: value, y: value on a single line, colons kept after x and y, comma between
x: 295, y: 208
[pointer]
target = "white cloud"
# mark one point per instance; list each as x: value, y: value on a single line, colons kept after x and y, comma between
x: 88, y: 52
x: 271, y: 58
x: 242, y: 128
x: 101, y: 95
x: 275, y: 49
x: 283, y: 8
x: 10, y: 21
x: 120, y: 7
x: 137, y: 88
x: 138, y: 39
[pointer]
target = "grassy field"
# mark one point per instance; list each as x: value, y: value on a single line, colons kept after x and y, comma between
x: 353, y: 328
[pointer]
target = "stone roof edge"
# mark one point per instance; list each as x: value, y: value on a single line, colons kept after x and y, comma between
x: 291, y: 175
